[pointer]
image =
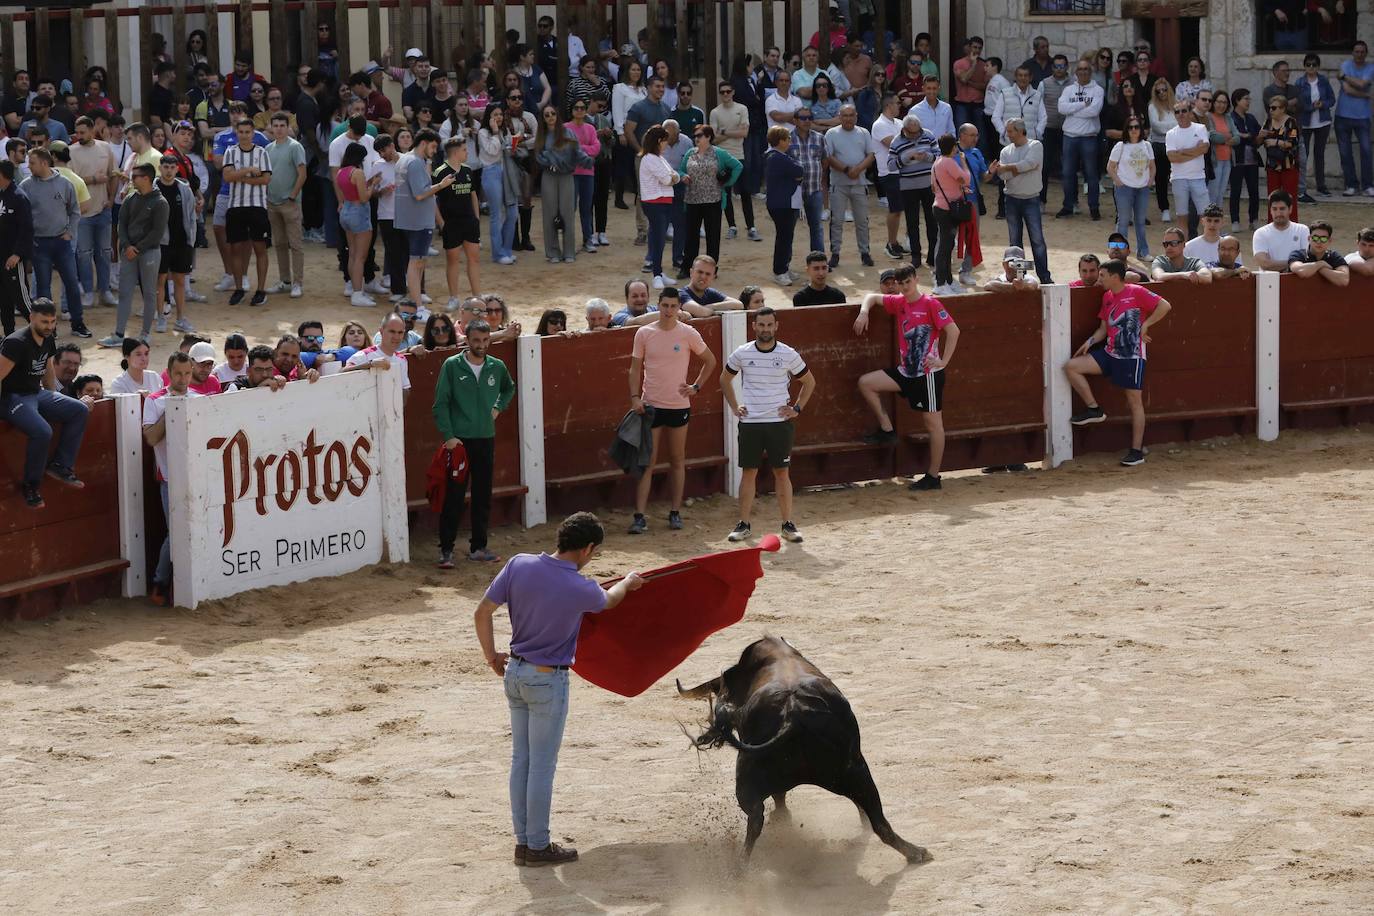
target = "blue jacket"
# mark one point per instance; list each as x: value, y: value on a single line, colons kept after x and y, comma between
x: 783, y: 175
x: 1328, y: 97
x: 977, y: 166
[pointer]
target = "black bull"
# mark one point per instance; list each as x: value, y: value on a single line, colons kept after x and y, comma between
x: 794, y: 728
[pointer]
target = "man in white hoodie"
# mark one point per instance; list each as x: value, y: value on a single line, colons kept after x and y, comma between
x: 1081, y: 106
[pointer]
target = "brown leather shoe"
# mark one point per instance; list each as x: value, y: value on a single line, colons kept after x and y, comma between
x: 553, y: 854
x: 520, y: 851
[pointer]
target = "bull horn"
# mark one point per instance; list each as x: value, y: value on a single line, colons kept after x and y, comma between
x: 704, y: 690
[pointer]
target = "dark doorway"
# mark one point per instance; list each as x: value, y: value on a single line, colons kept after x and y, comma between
x: 1189, y: 44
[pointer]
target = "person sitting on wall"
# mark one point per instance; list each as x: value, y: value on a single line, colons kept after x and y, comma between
x: 1361, y: 261
x: 1319, y: 259
x: 260, y: 371
x: 30, y: 402
x: 1228, y: 263
x: 1013, y: 277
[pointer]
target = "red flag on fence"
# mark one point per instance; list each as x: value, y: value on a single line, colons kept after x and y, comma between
x: 651, y: 632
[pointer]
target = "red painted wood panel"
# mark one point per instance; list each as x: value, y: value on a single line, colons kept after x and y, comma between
x: 1326, y: 340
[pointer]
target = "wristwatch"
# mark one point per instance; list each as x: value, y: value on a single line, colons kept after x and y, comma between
x: 696, y: 387
x: 796, y: 408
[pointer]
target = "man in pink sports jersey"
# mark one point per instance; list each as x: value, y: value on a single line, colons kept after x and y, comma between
x: 920, y: 373
x: 1128, y: 311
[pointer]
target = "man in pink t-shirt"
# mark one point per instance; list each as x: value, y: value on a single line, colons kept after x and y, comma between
x: 1126, y: 315
x: 920, y: 373
x: 658, y: 384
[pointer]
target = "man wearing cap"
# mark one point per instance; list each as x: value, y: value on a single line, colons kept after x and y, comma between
x: 405, y: 75
x: 1012, y: 278
x: 203, y: 378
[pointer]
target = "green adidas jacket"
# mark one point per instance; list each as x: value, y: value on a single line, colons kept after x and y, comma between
x: 463, y: 400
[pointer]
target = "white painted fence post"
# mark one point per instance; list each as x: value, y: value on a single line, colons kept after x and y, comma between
x: 1058, y: 393
x: 530, y: 369
x: 1267, y: 355
x: 391, y: 436
x: 734, y: 333
x: 133, y: 542
x: 179, y: 521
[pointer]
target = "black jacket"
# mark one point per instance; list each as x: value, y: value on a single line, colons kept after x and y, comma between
x: 634, y: 442
x: 16, y: 225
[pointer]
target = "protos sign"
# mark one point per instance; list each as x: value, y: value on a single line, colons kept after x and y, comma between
x: 274, y: 487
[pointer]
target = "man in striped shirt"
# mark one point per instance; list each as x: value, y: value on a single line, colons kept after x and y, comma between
x: 247, y: 170
x: 766, y: 367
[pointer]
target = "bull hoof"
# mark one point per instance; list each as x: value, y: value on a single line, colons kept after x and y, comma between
x: 917, y: 855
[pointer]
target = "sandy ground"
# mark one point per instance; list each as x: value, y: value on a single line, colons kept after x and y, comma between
x: 533, y: 284
x: 1087, y: 690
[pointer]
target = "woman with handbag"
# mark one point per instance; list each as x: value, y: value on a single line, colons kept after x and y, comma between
x: 707, y: 170
x: 1279, y: 139
x: 559, y: 154
x: 951, y: 181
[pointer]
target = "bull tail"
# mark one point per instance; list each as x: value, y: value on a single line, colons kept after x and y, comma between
x: 722, y: 732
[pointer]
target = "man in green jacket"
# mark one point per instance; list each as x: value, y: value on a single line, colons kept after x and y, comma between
x: 473, y: 389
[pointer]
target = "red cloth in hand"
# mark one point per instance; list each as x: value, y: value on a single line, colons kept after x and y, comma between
x: 628, y: 648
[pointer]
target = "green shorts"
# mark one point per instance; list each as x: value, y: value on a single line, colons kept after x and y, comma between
x: 771, y: 439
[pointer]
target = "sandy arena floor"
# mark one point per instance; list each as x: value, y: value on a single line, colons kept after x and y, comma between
x: 1086, y: 691
x: 533, y: 284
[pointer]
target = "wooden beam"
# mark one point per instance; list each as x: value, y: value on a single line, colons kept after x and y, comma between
x: 436, y: 44
x: 111, y: 49
x: 498, y: 50
x: 823, y: 34
x: 652, y: 18
x: 770, y: 35
x: 1145, y: 9
x: 737, y: 40
x: 711, y: 31
x: 622, y: 24
x: 472, y: 42
x: 906, y: 31
x: 343, y: 39
x: 407, y: 30
x: 562, y: 28
x: 310, y: 36
x: 375, y: 44
x: 78, y: 37
x: 684, y: 55
x: 211, y: 37
x: 935, y: 43
x: 593, y: 28
x: 7, y: 49
x: 179, y: 32
x: 245, y: 30
x: 880, y: 35
x: 531, y: 33
x: 281, y: 49
x: 42, y: 43
x: 792, y: 40
x: 958, y: 34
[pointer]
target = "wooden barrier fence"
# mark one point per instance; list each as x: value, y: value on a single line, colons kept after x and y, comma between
x: 1229, y: 359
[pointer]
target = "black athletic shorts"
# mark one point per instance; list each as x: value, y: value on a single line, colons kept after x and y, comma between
x: 247, y: 224
x: 925, y: 393
x: 176, y: 259
x: 771, y: 439
x: 671, y: 418
x: 457, y: 231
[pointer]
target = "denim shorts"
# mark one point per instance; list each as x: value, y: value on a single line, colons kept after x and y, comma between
x: 418, y: 241
x: 221, y: 217
x: 355, y: 216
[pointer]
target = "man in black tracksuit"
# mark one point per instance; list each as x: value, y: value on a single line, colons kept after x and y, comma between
x: 16, y: 248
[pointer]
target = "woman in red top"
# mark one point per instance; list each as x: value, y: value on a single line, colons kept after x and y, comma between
x: 355, y: 215
x: 950, y: 179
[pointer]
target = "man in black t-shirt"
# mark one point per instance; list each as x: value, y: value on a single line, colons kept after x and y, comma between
x: 162, y: 97
x: 1320, y: 259
x: 817, y: 291
x: 460, y: 221
x: 30, y: 401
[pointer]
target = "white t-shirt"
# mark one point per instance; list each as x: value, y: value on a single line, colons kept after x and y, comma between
x: 1354, y: 258
x: 1203, y: 250
x: 340, y: 143
x: 787, y: 105
x: 226, y: 374
x: 127, y: 384
x: 1277, y: 243
x: 153, y: 410
x: 373, y: 354
x: 1133, y: 163
x: 884, y: 128
x: 764, y: 378
x: 386, y: 202
x: 1182, y: 138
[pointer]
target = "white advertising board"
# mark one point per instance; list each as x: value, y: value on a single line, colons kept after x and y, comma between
x: 272, y: 487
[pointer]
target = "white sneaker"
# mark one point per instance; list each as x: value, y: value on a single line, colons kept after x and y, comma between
x: 375, y: 289
x: 394, y: 298
x: 825, y: 215
x: 967, y: 280
x: 348, y: 288
x: 702, y: 232
x: 506, y: 260
x: 882, y: 202
x: 659, y: 282
x: 1369, y: 192
x: 425, y: 300
x: 754, y: 235
x: 452, y: 304
x: 670, y: 232
x: 111, y: 299
x: 732, y: 232
x: 296, y: 291
x: 225, y: 284
x: 362, y: 300
x: 247, y: 284
x: 193, y: 296
x: 87, y: 300
x: 601, y: 239
x: 432, y: 253
x: 277, y: 288
x: 1349, y: 192
x: 1165, y: 216
x: 1235, y: 227
x: 783, y: 279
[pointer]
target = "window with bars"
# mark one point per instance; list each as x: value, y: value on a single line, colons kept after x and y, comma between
x: 1068, y: 7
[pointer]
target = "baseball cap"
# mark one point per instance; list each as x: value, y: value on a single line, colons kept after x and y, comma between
x: 1013, y: 253
x: 202, y: 353
x: 57, y: 146
x: 184, y: 125
x: 371, y: 67
x: 414, y: 53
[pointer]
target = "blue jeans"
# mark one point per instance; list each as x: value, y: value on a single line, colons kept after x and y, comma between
x: 968, y: 113
x: 585, y: 188
x: 93, y: 239
x: 679, y: 223
x: 813, y: 205
x: 503, y: 217
x: 1080, y: 151
x: 1221, y: 180
x: 784, y: 225
x: 57, y: 253
x: 1188, y: 190
x: 1026, y: 210
x: 538, y: 710
x: 32, y: 415
x: 163, y: 574
x: 1132, y: 205
x: 659, y: 217
x: 1348, y: 132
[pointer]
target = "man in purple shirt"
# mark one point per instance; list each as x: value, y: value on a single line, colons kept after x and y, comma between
x: 547, y: 596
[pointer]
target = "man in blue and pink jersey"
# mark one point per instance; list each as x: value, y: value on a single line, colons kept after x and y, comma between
x: 920, y: 373
x: 1127, y: 313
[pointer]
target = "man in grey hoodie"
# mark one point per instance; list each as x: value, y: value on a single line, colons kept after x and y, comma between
x: 56, y: 219
x: 142, y: 233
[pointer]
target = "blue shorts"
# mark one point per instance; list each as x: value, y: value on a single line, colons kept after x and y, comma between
x: 355, y: 216
x: 1123, y: 373
x: 419, y: 241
